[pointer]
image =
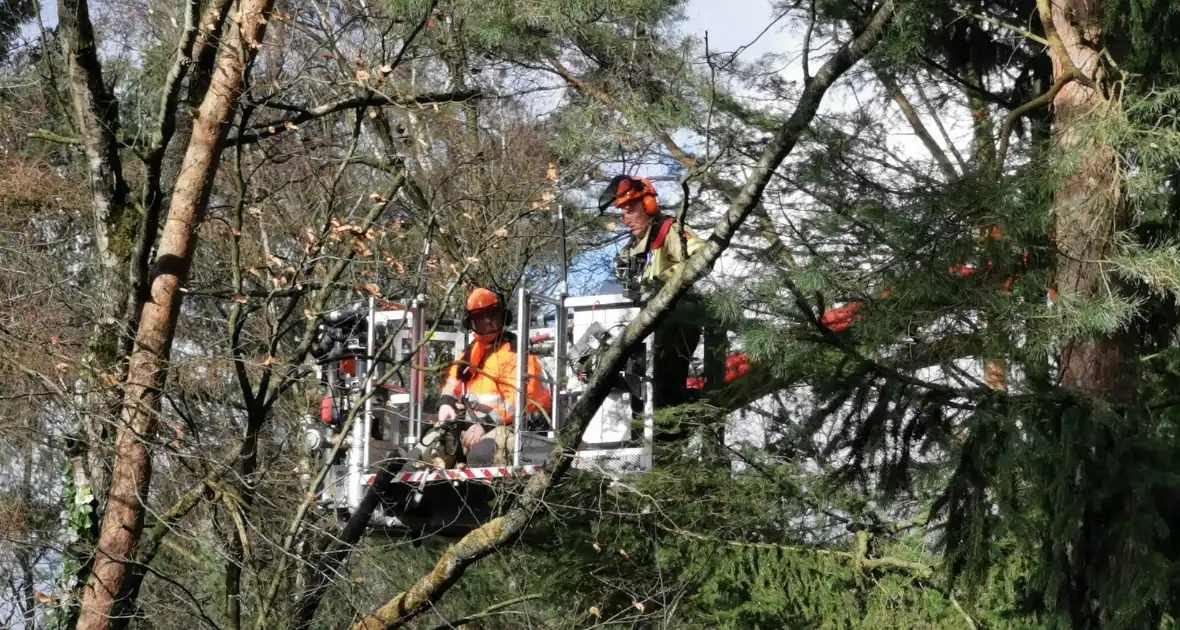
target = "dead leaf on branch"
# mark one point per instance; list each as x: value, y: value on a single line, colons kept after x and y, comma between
x: 372, y: 289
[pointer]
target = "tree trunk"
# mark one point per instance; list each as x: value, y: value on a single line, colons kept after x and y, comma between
x: 1088, y: 206
x: 96, y: 116
x: 104, y: 600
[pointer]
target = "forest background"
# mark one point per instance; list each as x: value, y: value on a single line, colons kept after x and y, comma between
x: 188, y: 185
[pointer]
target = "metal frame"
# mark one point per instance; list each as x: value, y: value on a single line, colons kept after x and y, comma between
x: 361, y: 451
x: 524, y: 302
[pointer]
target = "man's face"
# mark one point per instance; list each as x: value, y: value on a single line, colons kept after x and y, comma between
x: 635, y: 218
x: 486, y: 321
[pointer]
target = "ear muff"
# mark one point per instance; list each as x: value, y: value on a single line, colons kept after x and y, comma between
x: 650, y: 205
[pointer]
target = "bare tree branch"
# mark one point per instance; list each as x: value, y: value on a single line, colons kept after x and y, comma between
x: 915, y: 121
x: 374, y: 99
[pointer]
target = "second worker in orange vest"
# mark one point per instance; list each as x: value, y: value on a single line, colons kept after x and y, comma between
x: 484, y: 381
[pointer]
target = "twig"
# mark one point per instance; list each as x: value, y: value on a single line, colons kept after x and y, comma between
x: 487, y: 612
x: 859, y: 558
x: 373, y: 99
x: 911, y: 115
x: 1041, y: 101
x: 45, y: 134
x: 807, y: 42
x: 967, y: 618
x: 1004, y: 25
x: 946, y: 137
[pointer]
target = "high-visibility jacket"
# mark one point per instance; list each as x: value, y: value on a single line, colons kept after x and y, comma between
x: 484, y: 379
x: 663, y: 249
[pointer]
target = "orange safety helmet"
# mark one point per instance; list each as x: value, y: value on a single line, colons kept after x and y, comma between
x: 624, y: 189
x: 480, y: 299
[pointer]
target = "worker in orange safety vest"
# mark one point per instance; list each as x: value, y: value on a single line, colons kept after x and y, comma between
x: 483, y: 381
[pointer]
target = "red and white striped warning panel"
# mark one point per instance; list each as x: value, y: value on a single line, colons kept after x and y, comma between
x: 462, y: 474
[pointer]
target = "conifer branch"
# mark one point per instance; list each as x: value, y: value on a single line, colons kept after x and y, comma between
x: 859, y: 557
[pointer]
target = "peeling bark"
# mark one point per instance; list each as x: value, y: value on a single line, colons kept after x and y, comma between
x: 491, y: 536
x: 105, y: 598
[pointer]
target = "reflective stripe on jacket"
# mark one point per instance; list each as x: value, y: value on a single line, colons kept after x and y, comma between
x: 490, y: 391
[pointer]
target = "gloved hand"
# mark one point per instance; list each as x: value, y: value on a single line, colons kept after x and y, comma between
x: 471, y: 436
x: 446, y: 413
